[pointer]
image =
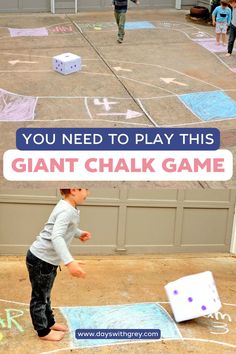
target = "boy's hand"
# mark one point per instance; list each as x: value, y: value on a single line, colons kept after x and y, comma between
x: 213, y: 23
x: 137, y: 2
x: 75, y: 269
x: 85, y: 236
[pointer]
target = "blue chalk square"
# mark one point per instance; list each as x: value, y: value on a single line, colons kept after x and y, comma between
x: 131, y: 316
x: 139, y: 25
x: 210, y: 105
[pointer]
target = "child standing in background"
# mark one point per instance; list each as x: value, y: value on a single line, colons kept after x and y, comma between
x: 46, y: 253
x: 221, y: 18
x: 120, y: 9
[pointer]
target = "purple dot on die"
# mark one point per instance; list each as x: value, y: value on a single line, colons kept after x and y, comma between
x: 71, y: 67
x: 75, y: 66
x: 203, y: 307
x: 190, y: 299
x: 175, y: 292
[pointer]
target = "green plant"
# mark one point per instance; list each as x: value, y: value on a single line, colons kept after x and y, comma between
x: 215, y: 3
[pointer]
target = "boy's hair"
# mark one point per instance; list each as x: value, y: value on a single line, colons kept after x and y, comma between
x: 65, y: 191
x: 224, y: 2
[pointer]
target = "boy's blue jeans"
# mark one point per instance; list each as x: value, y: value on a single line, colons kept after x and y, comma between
x: 42, y: 276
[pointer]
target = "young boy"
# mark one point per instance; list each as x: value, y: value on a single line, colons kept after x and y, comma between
x: 232, y: 30
x: 46, y: 253
x: 221, y: 18
x: 120, y: 9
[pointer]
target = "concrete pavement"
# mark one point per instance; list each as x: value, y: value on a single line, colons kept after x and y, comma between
x: 157, y: 73
x: 120, y: 280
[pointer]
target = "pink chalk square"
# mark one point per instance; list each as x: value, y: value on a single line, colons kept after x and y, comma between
x: 210, y: 44
x: 234, y: 70
x: 16, y: 107
x: 28, y: 32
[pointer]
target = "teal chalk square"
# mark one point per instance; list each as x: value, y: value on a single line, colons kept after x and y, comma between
x: 210, y: 105
x: 131, y: 316
x: 139, y: 25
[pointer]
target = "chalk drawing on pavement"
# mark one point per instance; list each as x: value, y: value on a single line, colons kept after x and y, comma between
x: 61, y: 29
x: 209, y: 106
x: 138, y: 316
x: 112, y: 25
x: 220, y: 323
x: 168, y: 84
x: 139, y: 25
x: 211, y: 45
x: 28, y: 32
x: 97, y: 26
x: 15, y: 107
x: 10, y: 320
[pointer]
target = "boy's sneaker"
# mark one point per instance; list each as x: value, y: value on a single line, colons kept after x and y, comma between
x: 119, y: 40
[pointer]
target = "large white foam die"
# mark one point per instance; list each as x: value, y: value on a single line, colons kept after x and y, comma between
x: 66, y: 63
x: 193, y: 296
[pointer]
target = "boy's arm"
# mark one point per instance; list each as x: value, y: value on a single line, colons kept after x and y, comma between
x: 78, y: 233
x: 58, y: 233
x: 59, y: 244
x: 83, y: 235
x: 214, y: 13
x: 75, y: 269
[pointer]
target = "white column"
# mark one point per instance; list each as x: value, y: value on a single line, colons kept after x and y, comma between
x: 76, y: 6
x: 53, y: 6
x: 178, y: 4
x: 233, y: 241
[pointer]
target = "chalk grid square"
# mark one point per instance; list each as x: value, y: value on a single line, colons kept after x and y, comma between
x: 211, y: 45
x: 15, y: 107
x: 210, y: 105
x: 28, y: 32
x: 131, y: 316
x: 139, y: 25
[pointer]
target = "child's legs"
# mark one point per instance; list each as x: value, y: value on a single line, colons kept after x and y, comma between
x: 217, y: 37
x: 49, y: 312
x: 117, y: 17
x: 224, y: 31
x: 42, y: 276
x: 224, y: 38
x: 120, y: 20
x: 232, y: 36
x: 218, y: 32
